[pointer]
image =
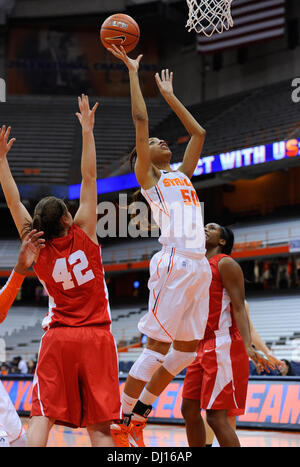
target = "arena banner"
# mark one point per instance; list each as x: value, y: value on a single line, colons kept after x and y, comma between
x: 207, y: 165
x: 71, y: 60
x: 272, y: 402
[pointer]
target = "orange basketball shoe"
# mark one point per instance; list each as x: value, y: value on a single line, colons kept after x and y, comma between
x: 136, y: 438
x: 120, y: 434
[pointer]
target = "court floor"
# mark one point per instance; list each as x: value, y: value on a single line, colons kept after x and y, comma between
x: 174, y: 436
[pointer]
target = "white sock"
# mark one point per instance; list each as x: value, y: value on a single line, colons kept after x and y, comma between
x: 137, y: 418
x: 147, y: 397
x: 127, y: 403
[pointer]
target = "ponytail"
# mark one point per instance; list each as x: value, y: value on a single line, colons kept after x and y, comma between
x: 228, y: 236
x: 47, y: 218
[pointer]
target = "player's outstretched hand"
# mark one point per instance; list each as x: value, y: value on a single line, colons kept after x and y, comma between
x: 119, y: 52
x: 5, y: 144
x: 86, y: 116
x: 30, y: 250
x: 165, y: 82
x: 274, y: 361
x: 260, y: 361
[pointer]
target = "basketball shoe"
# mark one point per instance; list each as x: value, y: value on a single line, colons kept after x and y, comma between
x: 120, y: 434
x: 136, y: 433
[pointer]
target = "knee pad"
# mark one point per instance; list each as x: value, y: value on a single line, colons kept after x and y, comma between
x: 176, y: 361
x: 146, y: 365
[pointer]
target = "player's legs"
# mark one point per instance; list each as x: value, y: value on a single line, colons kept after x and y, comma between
x: 135, y: 384
x: 209, y: 432
x: 38, y: 431
x: 218, y: 421
x: 10, y: 422
x: 100, y: 435
x: 156, y: 368
x: 182, y: 354
x: 232, y: 421
x: 194, y: 424
x: 148, y: 378
x: 168, y: 370
x: 140, y: 373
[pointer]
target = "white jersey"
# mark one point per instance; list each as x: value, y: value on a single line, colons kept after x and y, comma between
x: 177, y: 211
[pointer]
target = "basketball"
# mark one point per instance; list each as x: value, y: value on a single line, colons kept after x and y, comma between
x: 120, y: 29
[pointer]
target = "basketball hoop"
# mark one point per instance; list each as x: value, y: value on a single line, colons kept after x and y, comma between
x: 209, y: 16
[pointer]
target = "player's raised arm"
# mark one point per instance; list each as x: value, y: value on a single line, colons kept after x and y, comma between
x: 196, y: 132
x: 86, y: 216
x: 18, y: 211
x: 145, y: 173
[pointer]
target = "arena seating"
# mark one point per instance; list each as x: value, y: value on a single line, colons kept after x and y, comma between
x: 44, y: 128
x: 268, y: 233
x: 124, y: 324
x: 22, y: 328
x: 9, y: 250
x: 276, y: 320
x: 48, y: 137
x: 247, y: 119
x: 22, y: 331
x: 20, y: 318
x: 115, y: 133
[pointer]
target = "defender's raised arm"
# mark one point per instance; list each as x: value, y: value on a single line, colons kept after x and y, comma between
x: 86, y: 216
x: 18, y: 211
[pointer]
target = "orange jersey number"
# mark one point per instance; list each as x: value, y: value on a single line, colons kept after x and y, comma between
x: 190, y: 197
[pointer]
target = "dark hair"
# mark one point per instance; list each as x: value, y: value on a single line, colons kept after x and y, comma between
x: 132, y: 158
x: 137, y: 195
x: 47, y: 215
x: 228, y: 236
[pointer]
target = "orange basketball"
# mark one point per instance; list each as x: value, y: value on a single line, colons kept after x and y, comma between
x: 120, y: 29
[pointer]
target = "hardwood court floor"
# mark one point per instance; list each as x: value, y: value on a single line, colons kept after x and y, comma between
x: 174, y: 436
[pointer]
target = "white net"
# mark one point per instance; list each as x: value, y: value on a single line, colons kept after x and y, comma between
x: 209, y: 16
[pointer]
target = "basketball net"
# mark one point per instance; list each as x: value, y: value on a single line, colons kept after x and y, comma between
x: 209, y: 16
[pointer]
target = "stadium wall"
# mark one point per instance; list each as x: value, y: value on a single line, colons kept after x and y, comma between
x: 209, y: 76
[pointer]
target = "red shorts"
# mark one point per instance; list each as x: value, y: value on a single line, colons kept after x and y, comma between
x: 219, y: 375
x: 76, y: 380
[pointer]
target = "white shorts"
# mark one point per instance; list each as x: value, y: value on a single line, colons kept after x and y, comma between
x: 9, y: 419
x: 179, y: 297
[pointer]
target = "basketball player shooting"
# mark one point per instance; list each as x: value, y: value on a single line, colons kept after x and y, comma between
x: 179, y: 274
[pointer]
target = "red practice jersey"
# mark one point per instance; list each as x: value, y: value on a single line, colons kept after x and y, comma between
x: 70, y: 268
x: 220, y: 309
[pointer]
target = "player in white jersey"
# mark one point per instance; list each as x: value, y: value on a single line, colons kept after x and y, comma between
x: 12, y: 432
x: 180, y: 274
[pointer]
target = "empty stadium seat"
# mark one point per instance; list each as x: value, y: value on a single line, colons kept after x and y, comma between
x: 48, y: 135
x: 246, y: 119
